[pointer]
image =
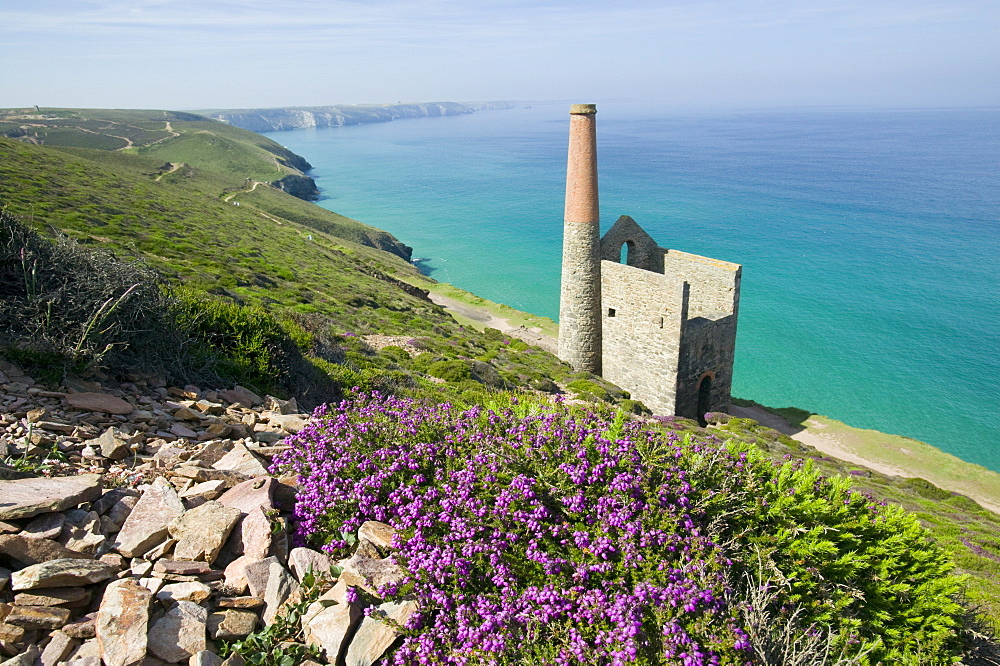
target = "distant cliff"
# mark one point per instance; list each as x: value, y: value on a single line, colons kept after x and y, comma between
x: 296, y: 117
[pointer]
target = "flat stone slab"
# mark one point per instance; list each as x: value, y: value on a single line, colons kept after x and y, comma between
x: 99, y: 402
x: 61, y: 573
x: 122, y: 622
x: 374, y: 636
x: 201, y: 531
x: 146, y: 525
x: 33, y: 551
x: 24, y: 498
x: 179, y: 634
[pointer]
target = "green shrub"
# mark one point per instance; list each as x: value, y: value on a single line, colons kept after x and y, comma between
x: 452, y: 371
x: 242, y: 343
x: 588, y: 390
x: 845, y: 559
x: 395, y: 353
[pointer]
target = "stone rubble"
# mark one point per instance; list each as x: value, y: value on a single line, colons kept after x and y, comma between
x: 139, y: 525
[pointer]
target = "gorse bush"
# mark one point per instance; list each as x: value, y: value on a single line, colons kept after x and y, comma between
x: 452, y: 371
x: 241, y: 343
x: 538, y: 534
x: 81, y: 305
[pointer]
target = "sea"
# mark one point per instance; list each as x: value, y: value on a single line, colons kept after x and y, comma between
x: 869, y: 239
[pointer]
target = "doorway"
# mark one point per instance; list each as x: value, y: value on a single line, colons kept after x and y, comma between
x: 704, y: 399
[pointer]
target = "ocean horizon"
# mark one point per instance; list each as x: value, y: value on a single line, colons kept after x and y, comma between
x: 869, y: 239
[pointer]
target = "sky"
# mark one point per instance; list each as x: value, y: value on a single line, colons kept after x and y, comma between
x: 215, y: 54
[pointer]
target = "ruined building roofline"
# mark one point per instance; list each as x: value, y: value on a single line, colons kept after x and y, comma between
x: 718, y: 263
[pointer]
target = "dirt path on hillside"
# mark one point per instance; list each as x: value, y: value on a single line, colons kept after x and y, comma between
x: 174, y: 166
x: 830, y: 445
x: 482, y: 316
x: 253, y: 187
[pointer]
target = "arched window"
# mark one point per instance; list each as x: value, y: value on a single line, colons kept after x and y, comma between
x: 626, y: 253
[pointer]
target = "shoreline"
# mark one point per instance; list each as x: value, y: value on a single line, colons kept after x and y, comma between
x: 892, y: 455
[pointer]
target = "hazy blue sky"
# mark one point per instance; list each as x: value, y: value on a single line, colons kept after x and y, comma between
x: 185, y: 54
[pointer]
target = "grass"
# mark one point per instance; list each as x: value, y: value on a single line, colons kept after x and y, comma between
x: 171, y: 136
x: 908, y: 456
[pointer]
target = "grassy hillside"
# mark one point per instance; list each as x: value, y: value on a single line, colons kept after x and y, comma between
x: 198, y: 222
x: 171, y: 135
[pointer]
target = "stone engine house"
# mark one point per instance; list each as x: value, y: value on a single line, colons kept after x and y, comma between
x: 659, y: 323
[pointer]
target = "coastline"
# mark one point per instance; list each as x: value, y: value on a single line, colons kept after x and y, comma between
x: 892, y: 455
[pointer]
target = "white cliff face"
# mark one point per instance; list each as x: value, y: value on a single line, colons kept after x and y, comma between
x: 269, y: 120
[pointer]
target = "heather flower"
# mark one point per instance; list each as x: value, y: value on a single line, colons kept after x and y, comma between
x: 542, y: 534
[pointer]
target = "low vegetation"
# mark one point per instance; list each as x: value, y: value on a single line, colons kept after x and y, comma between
x: 536, y: 533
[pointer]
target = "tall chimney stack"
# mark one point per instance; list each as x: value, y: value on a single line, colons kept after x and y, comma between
x: 580, y: 297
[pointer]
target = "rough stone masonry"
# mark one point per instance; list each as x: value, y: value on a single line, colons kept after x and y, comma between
x: 659, y: 323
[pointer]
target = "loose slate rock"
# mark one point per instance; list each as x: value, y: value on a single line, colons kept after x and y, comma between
x: 280, y: 585
x: 85, y: 627
x: 378, y: 534
x: 99, y: 402
x: 201, y: 531
x: 183, y: 568
x: 146, y: 525
x: 230, y: 624
x: 34, y: 551
x: 45, y: 526
x: 27, y: 658
x: 330, y: 627
x: 205, y: 658
x: 302, y: 560
x: 61, y: 573
x: 54, y: 596
x: 38, y: 617
x: 180, y: 633
x: 374, y: 636
x: 122, y: 622
x: 58, y: 648
x: 239, y: 603
x: 251, y: 494
x: 251, y: 537
x: 82, y: 531
x: 113, y: 444
x: 241, y: 460
x: 24, y: 498
x: 192, y: 591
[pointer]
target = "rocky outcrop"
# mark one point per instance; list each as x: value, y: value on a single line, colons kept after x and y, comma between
x: 302, y: 187
x: 149, y: 557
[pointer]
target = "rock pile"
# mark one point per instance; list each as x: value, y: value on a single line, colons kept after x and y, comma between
x: 139, y: 525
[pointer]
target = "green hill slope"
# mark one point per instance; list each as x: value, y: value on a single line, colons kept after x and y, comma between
x: 184, y: 229
x: 205, y: 226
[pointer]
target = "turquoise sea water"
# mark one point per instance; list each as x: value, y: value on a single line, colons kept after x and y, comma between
x: 870, y: 240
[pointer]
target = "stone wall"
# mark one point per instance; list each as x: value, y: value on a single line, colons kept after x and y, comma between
x: 642, y: 249
x: 663, y: 333
x: 708, y: 347
x: 715, y: 285
x: 642, y: 315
